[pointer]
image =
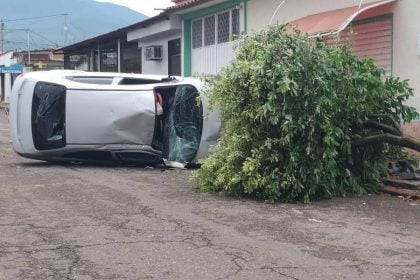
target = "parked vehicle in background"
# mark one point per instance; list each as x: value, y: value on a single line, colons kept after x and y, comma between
x: 86, y: 117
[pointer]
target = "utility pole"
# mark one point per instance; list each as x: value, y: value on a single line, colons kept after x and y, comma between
x: 1, y: 36
x: 29, y: 48
x: 66, y: 29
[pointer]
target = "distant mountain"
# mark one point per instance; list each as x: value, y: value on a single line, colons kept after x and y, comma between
x: 86, y: 18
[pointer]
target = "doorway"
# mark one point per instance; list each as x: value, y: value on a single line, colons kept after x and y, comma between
x: 174, y: 57
x: 2, y: 88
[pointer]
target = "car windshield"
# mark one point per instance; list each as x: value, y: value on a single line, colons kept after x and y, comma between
x: 185, y: 125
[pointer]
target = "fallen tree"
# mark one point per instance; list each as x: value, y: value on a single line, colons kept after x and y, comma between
x: 303, y: 121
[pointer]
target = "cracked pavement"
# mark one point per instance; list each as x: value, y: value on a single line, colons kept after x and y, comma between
x: 93, y: 222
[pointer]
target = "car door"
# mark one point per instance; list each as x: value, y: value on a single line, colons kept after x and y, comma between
x: 102, y: 117
x: 192, y: 128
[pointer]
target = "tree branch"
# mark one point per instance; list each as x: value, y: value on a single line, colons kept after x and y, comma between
x: 383, y: 127
x: 390, y: 118
x: 403, y: 141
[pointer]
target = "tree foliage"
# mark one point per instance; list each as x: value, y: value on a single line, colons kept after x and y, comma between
x: 301, y: 120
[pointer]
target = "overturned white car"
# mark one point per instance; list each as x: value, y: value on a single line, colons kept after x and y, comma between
x: 86, y: 117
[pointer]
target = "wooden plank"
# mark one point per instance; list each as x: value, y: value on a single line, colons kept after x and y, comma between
x: 408, y: 194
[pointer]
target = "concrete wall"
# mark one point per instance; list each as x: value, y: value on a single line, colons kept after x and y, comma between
x: 165, y: 25
x: 159, y: 67
x: 157, y: 34
x: 406, y: 60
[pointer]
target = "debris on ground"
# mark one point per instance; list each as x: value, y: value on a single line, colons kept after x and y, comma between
x: 405, y: 194
x: 404, y: 181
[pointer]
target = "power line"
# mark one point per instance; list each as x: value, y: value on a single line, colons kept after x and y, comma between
x: 33, y: 32
x: 24, y: 43
x: 78, y: 28
x: 43, y: 37
x: 67, y: 32
x: 30, y: 18
x: 29, y: 22
x: 15, y: 29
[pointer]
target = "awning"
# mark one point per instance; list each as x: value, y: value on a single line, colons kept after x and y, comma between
x: 333, y: 22
x: 12, y: 69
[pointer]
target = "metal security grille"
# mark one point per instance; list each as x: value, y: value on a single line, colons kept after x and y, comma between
x: 212, y: 40
x: 223, y: 27
x: 197, y: 34
x: 209, y: 30
x: 235, y: 23
x: 370, y: 38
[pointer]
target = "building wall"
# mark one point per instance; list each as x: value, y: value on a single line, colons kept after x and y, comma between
x: 158, y: 67
x: 406, y: 60
x: 224, y: 53
x: 6, y: 60
x: 406, y: 25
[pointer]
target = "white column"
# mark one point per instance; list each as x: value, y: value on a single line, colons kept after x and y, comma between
x: 91, y: 60
x: 2, y: 95
x: 7, y: 87
x: 119, y: 55
x: 99, y: 58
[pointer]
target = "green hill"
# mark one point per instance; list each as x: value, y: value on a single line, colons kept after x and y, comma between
x: 86, y: 18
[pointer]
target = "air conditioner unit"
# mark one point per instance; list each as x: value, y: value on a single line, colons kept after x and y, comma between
x: 154, y: 53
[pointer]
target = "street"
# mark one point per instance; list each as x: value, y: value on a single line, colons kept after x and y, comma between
x: 96, y: 222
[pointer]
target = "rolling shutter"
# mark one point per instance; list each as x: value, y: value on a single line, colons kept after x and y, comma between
x: 370, y: 39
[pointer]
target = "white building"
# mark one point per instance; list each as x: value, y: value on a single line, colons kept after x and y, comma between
x: 386, y: 30
x: 9, y: 69
x: 159, y: 39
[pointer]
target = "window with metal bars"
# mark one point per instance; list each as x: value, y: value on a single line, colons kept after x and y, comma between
x: 223, y: 27
x: 220, y: 28
x: 197, y: 34
x: 209, y: 30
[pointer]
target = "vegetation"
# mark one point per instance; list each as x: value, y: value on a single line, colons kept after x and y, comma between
x: 302, y: 121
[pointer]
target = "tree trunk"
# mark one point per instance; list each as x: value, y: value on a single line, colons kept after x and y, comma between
x: 403, y: 141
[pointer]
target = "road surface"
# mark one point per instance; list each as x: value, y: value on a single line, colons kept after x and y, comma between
x: 92, y: 222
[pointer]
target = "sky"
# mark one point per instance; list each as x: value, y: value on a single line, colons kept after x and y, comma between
x: 146, y: 7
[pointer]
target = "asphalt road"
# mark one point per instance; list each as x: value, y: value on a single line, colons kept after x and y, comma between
x: 91, y: 222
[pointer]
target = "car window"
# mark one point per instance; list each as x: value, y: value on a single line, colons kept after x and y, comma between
x: 93, y: 80
x: 134, y: 81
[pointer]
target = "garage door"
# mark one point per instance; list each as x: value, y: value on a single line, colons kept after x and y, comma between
x: 371, y: 39
x: 213, y: 41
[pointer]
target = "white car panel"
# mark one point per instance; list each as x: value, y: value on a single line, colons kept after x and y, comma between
x: 110, y: 117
